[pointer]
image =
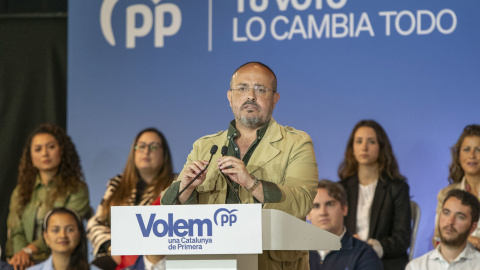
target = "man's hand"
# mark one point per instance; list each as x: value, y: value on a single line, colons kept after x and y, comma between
x: 191, y: 171
x: 235, y: 169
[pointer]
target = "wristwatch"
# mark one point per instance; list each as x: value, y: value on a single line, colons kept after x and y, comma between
x: 255, y: 184
x: 28, y: 251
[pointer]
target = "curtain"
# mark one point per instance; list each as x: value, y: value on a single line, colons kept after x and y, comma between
x: 33, y: 79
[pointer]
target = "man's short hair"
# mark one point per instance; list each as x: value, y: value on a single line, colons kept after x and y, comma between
x: 335, y: 190
x: 274, y: 82
x: 466, y: 199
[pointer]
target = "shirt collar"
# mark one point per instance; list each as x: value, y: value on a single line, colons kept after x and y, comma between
x: 343, y: 233
x: 437, y: 255
x: 467, y: 253
x: 38, y: 181
x: 463, y: 184
x: 160, y: 265
x: 233, y: 132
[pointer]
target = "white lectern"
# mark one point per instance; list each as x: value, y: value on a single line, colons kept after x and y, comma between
x: 212, y: 236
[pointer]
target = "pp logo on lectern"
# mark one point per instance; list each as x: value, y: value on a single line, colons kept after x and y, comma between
x: 151, y: 19
x: 225, y: 216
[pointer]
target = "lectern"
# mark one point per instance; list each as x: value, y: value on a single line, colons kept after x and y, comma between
x: 205, y: 237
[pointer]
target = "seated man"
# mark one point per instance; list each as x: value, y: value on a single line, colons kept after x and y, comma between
x: 457, y: 220
x: 329, y: 209
x: 149, y: 262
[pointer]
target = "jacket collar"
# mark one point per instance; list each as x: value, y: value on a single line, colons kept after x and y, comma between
x: 347, y: 241
x: 378, y: 200
x: 265, y: 150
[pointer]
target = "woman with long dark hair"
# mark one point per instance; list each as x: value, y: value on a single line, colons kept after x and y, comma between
x: 65, y: 236
x: 148, y: 172
x: 464, y: 174
x: 378, y: 195
x: 49, y: 176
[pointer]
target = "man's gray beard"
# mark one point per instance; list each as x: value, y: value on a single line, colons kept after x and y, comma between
x: 252, y: 122
x: 456, y: 242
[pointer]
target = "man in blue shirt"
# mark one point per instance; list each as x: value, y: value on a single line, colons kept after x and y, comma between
x: 329, y: 209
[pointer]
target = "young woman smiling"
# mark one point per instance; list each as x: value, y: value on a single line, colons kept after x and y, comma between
x: 464, y: 174
x: 65, y: 236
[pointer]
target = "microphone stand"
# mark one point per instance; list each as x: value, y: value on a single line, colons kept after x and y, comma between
x: 227, y: 179
x: 213, y: 150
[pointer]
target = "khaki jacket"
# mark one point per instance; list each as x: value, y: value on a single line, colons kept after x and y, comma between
x: 21, y: 228
x: 285, y: 157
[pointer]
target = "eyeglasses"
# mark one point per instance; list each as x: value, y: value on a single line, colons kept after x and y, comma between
x: 154, y: 146
x: 259, y: 89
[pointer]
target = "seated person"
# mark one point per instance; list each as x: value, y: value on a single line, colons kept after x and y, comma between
x: 378, y: 195
x: 49, y: 176
x: 144, y: 262
x: 329, y: 209
x: 464, y: 174
x: 149, y: 262
x: 64, y: 233
x: 148, y: 172
x: 457, y: 220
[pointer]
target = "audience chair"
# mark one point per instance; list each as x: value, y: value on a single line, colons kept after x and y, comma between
x: 415, y: 221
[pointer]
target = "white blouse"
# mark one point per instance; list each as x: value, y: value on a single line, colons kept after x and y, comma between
x: 364, y: 208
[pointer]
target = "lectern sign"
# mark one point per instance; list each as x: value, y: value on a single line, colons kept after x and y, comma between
x: 187, y: 229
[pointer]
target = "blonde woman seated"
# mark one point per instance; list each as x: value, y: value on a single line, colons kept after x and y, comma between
x: 464, y: 174
x: 49, y: 176
x: 147, y: 174
x: 64, y: 234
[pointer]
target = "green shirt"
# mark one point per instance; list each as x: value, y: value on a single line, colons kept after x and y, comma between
x: 270, y: 190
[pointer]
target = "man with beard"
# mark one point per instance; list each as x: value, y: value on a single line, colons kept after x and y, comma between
x: 265, y: 163
x: 458, y: 219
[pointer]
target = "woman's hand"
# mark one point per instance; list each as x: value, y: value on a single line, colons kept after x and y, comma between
x: 475, y: 241
x: 21, y: 260
x: 117, y: 259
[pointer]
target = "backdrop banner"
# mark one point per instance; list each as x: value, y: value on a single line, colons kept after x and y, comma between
x: 411, y: 65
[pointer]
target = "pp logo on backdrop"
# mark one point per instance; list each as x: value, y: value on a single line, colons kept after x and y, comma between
x: 151, y: 19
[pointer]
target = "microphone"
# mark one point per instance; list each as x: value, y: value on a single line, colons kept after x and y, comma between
x: 213, y: 150
x: 224, y: 152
